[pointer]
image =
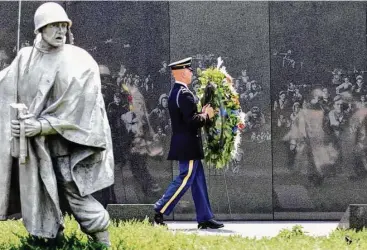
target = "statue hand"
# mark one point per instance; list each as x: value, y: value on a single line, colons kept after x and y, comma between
x: 15, y: 128
x: 32, y: 127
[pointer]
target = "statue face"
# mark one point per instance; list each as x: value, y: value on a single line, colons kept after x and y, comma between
x: 55, y: 34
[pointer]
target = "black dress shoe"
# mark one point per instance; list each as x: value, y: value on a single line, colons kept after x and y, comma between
x: 158, y: 219
x: 213, y: 224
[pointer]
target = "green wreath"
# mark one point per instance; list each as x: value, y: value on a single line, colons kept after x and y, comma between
x: 223, y: 134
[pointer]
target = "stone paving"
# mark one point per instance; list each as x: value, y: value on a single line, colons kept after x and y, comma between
x: 257, y: 229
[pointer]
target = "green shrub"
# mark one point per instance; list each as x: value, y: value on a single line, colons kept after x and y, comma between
x: 296, y: 231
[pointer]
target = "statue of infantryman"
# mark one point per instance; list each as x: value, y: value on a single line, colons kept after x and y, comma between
x: 59, y: 133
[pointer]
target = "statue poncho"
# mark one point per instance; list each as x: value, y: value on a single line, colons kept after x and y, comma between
x: 63, y: 87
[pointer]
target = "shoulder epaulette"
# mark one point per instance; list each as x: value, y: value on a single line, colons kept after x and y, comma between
x: 183, y: 90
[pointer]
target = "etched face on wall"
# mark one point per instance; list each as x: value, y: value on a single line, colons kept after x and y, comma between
x: 164, y: 102
x: 338, y: 106
x: 325, y: 93
x: 346, y: 79
x: 296, y: 108
x: 117, y: 99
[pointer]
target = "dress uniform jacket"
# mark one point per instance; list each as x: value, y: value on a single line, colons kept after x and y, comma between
x: 186, y: 142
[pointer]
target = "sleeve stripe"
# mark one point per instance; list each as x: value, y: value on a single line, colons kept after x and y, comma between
x: 177, y: 96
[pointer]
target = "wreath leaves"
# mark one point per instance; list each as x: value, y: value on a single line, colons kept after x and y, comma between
x: 223, y: 134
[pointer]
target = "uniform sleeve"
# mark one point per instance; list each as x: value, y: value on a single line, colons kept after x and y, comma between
x: 189, y: 110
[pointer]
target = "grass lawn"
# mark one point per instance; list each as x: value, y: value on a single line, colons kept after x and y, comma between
x: 142, y: 235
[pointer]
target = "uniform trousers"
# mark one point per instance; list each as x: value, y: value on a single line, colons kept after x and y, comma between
x: 191, y: 175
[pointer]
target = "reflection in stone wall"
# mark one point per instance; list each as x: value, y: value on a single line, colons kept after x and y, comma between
x: 8, y: 32
x: 299, y: 68
x: 131, y: 46
x: 8, y: 50
x: 318, y: 67
x: 238, y: 32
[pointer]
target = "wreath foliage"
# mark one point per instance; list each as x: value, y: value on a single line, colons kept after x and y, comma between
x: 223, y: 134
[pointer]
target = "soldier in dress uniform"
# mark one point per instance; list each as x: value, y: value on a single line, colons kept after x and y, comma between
x: 186, y: 148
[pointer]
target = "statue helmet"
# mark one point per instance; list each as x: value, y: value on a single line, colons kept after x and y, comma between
x: 50, y: 13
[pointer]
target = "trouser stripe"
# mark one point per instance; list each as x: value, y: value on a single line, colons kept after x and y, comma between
x: 183, y: 184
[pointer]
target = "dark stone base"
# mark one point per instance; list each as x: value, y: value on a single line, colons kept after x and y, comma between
x: 354, y: 218
x: 127, y: 212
